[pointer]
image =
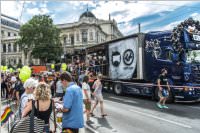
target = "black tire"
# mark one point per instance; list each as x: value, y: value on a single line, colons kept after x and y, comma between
x: 170, y: 99
x: 117, y: 88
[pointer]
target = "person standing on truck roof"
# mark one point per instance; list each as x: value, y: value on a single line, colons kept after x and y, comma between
x: 164, y: 89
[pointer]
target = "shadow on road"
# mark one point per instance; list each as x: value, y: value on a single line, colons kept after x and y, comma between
x: 104, y: 123
x: 101, y: 122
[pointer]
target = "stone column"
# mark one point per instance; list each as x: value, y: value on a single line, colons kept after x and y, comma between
x: 6, y: 48
x: 17, y: 48
x: 12, y: 47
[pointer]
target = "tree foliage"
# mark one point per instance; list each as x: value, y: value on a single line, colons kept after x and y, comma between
x: 40, y: 36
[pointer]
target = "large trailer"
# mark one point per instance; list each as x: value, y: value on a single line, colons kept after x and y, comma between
x: 133, y: 63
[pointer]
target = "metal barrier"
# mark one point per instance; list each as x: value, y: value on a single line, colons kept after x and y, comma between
x: 153, y: 85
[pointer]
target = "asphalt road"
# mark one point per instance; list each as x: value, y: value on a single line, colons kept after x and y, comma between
x: 130, y: 114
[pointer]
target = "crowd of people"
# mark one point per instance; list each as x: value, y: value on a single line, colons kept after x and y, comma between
x: 94, y: 64
x: 38, y: 93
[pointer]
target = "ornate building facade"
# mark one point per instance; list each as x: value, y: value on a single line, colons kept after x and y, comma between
x: 87, y: 31
x: 10, y: 52
x: 75, y: 37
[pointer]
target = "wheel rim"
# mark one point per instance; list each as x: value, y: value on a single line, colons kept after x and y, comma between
x: 118, y: 89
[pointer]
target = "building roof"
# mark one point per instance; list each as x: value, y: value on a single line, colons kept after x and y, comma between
x: 87, y: 14
x: 10, y: 22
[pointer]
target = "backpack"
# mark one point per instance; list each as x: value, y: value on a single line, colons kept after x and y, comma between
x: 19, y: 88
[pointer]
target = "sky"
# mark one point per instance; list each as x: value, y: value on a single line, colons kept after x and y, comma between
x: 152, y: 15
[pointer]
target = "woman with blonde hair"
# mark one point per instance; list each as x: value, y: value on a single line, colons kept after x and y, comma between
x: 42, y: 104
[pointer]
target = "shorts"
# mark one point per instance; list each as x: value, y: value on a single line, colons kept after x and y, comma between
x: 87, y: 105
x: 59, y: 94
x: 99, y: 98
x: 70, y: 130
x: 163, y: 93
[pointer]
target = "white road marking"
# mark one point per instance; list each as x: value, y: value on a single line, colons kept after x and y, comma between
x: 162, y: 119
x: 115, y: 98
x: 91, y: 129
x: 128, y: 101
x: 195, y: 107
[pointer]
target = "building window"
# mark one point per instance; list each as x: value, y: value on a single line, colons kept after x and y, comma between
x: 91, y: 35
x: 72, y: 39
x: 84, y: 36
x: 65, y: 40
x: 4, y: 48
x: 20, y: 48
x: 8, y: 33
x: 14, y: 48
x: 77, y: 37
x: 2, y: 32
x: 9, y: 47
x: 20, y: 61
x: 14, y: 60
x: 15, y: 34
x: 97, y: 36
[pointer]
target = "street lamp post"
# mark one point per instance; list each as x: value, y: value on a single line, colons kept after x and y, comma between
x: 65, y: 52
x: 26, y: 54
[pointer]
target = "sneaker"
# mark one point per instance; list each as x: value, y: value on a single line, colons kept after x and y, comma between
x: 159, y: 105
x: 103, y: 115
x: 165, y: 107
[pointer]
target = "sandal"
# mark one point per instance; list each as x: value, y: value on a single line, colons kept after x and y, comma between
x: 104, y: 115
x: 92, y: 114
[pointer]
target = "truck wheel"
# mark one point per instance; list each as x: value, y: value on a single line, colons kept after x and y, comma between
x: 170, y: 99
x: 118, y: 89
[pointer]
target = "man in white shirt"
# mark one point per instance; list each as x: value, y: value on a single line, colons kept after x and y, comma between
x: 86, y: 97
x: 59, y: 89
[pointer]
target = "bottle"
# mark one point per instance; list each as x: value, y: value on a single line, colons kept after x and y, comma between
x: 59, y: 117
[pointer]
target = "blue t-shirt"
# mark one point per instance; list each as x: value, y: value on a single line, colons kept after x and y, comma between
x: 73, y: 100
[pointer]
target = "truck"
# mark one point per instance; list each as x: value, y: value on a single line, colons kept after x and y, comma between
x: 132, y: 64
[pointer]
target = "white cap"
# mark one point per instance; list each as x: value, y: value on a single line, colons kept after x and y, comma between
x: 30, y: 83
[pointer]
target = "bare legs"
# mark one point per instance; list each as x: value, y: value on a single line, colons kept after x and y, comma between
x: 101, y: 107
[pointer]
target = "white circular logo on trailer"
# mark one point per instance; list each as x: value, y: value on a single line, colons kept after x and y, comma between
x: 116, y: 58
x: 128, y: 57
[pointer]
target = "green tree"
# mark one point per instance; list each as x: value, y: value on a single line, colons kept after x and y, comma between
x: 40, y: 37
